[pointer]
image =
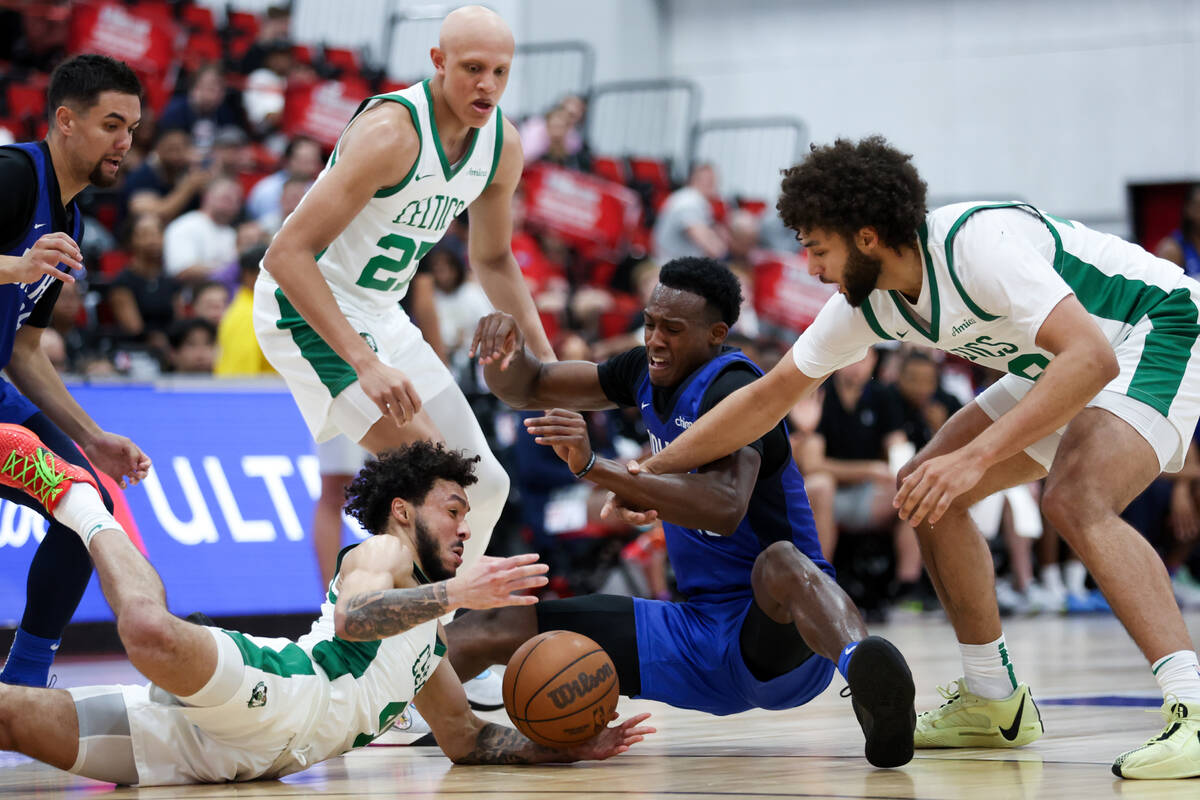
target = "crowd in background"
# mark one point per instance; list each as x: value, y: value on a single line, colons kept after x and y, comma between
x: 172, y: 252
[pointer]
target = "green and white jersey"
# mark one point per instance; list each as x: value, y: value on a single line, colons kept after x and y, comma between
x: 370, y: 264
x: 994, y: 272
x: 370, y: 682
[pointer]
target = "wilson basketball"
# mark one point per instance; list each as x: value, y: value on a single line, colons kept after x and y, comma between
x: 560, y: 688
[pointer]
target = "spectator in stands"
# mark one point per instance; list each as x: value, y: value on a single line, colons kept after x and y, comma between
x: 302, y: 160
x: 169, y: 181
x: 142, y: 297
x: 924, y: 406
x: 230, y: 154
x: 238, y: 352
x: 55, y: 349
x: 686, y: 225
x: 35, y: 37
x: 558, y: 143
x: 266, y: 86
x: 193, y: 346
x: 744, y: 229
x: 860, y: 426
x: 1183, y: 245
x: 209, y: 302
x: 204, y: 110
x: 200, y: 242
x: 274, y: 26
x: 460, y: 302
x: 74, y: 325
x: 535, y: 132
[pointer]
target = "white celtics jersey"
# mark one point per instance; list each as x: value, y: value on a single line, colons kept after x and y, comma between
x: 372, y: 261
x: 994, y: 272
x: 371, y: 682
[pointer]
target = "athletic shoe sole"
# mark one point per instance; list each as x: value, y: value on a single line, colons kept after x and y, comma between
x: 882, y: 692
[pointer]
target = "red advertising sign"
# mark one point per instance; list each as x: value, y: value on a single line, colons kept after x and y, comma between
x: 586, y: 211
x: 785, y: 294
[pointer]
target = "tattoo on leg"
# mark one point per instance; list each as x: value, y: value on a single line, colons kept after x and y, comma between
x: 376, y: 615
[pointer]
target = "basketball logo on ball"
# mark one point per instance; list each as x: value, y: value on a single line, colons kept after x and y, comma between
x: 560, y: 688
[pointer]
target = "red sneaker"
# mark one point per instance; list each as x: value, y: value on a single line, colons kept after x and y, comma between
x: 27, y: 464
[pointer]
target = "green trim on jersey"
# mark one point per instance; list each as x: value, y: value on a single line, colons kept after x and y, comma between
x: 873, y: 321
x: 935, y: 304
x: 439, y: 647
x: 332, y: 371
x: 387, y: 191
x: 447, y: 171
x: 499, y: 146
x: 289, y: 661
x: 1173, y: 320
x: 958, y: 223
x: 339, y: 657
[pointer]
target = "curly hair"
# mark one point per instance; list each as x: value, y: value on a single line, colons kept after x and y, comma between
x: 81, y: 79
x: 409, y: 473
x: 710, y: 279
x: 847, y: 186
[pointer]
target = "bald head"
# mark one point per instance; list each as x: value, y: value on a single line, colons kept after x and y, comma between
x: 471, y: 27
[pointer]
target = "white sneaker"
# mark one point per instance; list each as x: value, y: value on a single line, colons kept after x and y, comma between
x: 410, y: 729
x: 1009, y: 600
x: 1044, y: 600
x: 485, y: 692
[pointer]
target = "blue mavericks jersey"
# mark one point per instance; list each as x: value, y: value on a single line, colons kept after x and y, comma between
x: 708, y: 563
x: 18, y: 299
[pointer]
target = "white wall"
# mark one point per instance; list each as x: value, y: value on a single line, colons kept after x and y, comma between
x: 1056, y: 101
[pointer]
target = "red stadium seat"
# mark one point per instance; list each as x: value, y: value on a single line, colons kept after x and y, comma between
x: 202, y: 48
x: 302, y: 53
x: 651, y: 171
x: 611, y: 169
x: 26, y: 99
x: 199, y: 18
x: 242, y: 21
x: 753, y: 205
x: 343, y: 59
x: 112, y: 262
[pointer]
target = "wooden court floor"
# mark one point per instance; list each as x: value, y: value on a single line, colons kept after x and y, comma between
x: 1093, y: 688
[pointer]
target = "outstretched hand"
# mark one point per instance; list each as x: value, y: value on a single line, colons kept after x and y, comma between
x: 497, y: 338
x: 565, y: 431
x: 493, y: 582
x: 118, y: 457
x: 613, y: 740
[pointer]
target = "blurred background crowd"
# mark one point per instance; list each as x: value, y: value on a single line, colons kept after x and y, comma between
x: 239, y: 119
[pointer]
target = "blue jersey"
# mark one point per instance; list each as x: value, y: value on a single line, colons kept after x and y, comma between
x: 18, y: 299
x: 708, y: 563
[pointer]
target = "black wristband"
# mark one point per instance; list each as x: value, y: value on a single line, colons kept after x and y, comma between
x: 591, y: 463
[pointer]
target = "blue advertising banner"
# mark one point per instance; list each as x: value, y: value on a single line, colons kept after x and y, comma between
x: 225, y: 515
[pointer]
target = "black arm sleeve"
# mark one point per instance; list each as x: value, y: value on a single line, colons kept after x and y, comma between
x: 774, y: 447
x: 18, y: 196
x: 620, y: 375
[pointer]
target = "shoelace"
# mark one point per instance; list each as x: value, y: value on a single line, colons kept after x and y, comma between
x: 44, y: 469
x: 1172, y: 711
x: 950, y: 692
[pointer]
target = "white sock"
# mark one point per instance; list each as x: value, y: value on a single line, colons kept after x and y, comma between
x: 987, y: 669
x: 1178, y: 674
x: 82, y: 510
x: 1052, y: 579
x: 1075, y: 575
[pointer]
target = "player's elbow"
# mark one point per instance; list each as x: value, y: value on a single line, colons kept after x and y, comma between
x: 728, y: 511
x: 343, y: 629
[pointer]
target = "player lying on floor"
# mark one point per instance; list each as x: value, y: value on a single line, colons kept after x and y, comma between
x: 224, y: 706
x: 765, y: 625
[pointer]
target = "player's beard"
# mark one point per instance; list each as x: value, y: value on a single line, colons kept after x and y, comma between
x: 98, y: 179
x: 429, y: 554
x: 860, y: 276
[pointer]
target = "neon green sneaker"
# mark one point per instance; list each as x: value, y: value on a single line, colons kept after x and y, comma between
x: 1174, y: 753
x: 968, y: 720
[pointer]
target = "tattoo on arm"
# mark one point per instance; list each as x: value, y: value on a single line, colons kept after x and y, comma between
x: 497, y: 744
x: 375, y: 615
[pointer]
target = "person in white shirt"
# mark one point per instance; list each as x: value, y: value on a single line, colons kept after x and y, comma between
x: 202, y: 241
x: 1101, y: 345
x: 685, y: 225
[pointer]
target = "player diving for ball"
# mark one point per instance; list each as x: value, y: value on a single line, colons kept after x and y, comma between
x: 225, y: 706
x: 765, y: 625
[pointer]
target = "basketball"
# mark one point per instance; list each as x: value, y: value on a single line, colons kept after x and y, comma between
x: 560, y: 688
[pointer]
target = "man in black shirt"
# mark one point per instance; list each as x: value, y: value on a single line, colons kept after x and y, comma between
x: 764, y: 624
x: 94, y: 105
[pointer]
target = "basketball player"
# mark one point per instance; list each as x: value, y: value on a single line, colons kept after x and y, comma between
x: 765, y: 624
x: 326, y: 305
x: 1099, y: 342
x: 224, y: 706
x: 94, y: 105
